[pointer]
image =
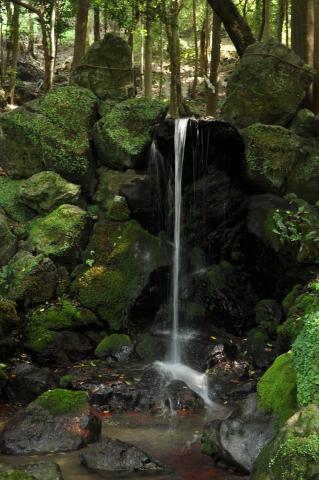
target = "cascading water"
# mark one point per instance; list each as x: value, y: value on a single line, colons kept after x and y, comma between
x: 174, y: 369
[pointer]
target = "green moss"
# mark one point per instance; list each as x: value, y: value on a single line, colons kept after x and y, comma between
x: 277, y: 388
x: 124, y: 256
x: 219, y: 275
x: 117, y: 209
x: 291, y: 297
x: 9, y: 200
x: 66, y: 381
x: 44, y: 322
x: 61, y: 233
x: 112, y: 344
x: 12, y: 474
x: 125, y: 131
x: 299, y: 304
x: 60, y: 401
x: 148, y: 347
x: 306, y: 359
x: 207, y: 444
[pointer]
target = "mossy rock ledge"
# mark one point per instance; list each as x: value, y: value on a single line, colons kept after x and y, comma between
x: 52, y: 133
x: 57, y: 421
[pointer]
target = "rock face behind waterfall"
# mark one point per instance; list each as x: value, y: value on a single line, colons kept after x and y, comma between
x: 107, y: 70
x: 268, y: 86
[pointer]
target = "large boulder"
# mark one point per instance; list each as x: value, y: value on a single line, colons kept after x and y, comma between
x: 279, y: 161
x: 293, y: 453
x: 8, y: 241
x: 32, y: 471
x: 106, y: 69
x: 119, y: 458
x: 268, y: 86
x: 29, y: 279
x: 50, y: 134
x: 121, y: 257
x: 57, y: 421
x: 45, y: 322
x: 46, y: 191
x: 61, y: 234
x: 240, y: 438
x: 122, y: 135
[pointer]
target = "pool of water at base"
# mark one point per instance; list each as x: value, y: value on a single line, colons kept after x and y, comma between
x: 174, y: 440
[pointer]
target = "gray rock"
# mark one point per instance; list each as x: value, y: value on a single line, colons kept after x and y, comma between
x: 119, y: 457
x: 268, y: 86
x: 106, y: 69
x: 240, y: 438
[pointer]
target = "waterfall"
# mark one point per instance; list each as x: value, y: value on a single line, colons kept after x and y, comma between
x: 179, y: 143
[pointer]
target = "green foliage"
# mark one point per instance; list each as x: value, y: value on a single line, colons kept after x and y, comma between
x: 60, y: 401
x: 207, y: 444
x: 306, y: 359
x: 277, y: 389
x: 12, y: 474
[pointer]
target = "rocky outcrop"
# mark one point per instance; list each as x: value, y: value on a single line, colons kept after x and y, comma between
x: 57, y: 421
x: 268, y: 86
x: 114, y: 456
x: 50, y: 134
x: 239, y: 439
x: 106, y: 69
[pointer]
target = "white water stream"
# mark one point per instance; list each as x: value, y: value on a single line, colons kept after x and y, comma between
x: 174, y: 369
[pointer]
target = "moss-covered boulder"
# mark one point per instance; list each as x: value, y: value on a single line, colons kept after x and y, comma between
x: 62, y: 234
x: 120, y: 259
x: 57, y: 421
x: 294, y: 452
x: 288, y: 226
x: 43, y: 470
x: 9, y: 327
x: 305, y: 124
x: 298, y: 303
x: 277, y: 389
x: 47, y: 190
x: 117, y: 345
x: 123, y: 134
x: 50, y: 134
x: 46, y: 321
x: 10, y: 201
x: 268, y: 86
x: 8, y: 242
x: 106, y: 69
x: 28, y: 279
x: 306, y: 359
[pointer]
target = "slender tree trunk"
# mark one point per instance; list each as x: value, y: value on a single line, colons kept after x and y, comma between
x: 287, y: 23
x: 53, y: 41
x: 31, y: 36
x: 212, y: 97
x: 236, y: 26
x: 142, y: 57
x: 302, y: 28
x: 315, y: 99
x: 15, y: 54
x: 97, y: 24
x: 194, y: 87
x: 202, y: 50
x: 267, y: 27
x: 161, y: 61
x: 280, y: 19
x: 148, y: 51
x: 81, y: 30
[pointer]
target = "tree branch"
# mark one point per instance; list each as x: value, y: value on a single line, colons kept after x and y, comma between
x: 27, y: 6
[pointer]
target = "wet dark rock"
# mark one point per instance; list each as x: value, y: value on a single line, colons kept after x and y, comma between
x: 65, y: 348
x: 58, y: 421
x: 228, y: 381
x: 117, y: 457
x: 239, y: 439
x: 26, y: 382
x: 33, y: 471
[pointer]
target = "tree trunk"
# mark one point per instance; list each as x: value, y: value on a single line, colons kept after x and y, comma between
x: 315, y: 99
x: 194, y: 87
x: 148, y: 52
x: 302, y: 28
x: 287, y: 22
x: 212, y: 97
x: 161, y: 62
x: 236, y: 26
x: 281, y: 13
x: 15, y: 54
x: 53, y: 43
x: 81, y: 29
x: 31, y: 36
x: 267, y: 24
x: 97, y: 24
